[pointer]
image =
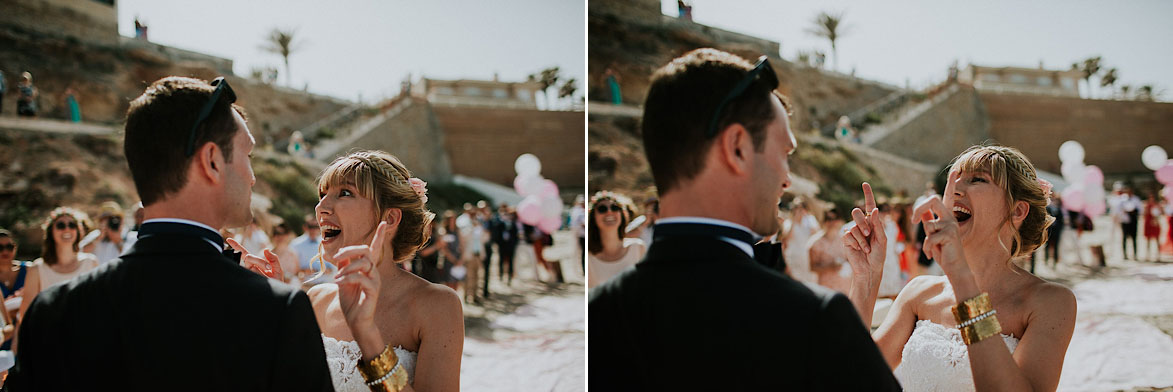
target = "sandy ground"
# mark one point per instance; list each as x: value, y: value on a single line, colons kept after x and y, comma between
x: 529, y: 336
x: 1124, y: 327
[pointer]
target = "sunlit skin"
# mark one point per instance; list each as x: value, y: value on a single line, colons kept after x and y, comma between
x: 408, y: 311
x: 975, y: 256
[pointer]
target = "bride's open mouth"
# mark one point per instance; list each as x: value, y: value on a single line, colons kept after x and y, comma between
x: 329, y: 232
x: 961, y: 213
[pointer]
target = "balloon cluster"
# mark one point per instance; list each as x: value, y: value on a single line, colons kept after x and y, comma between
x: 1155, y: 158
x: 1086, y: 190
x: 541, y: 206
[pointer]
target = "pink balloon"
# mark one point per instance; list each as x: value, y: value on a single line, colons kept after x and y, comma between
x: 1165, y: 173
x: 550, y: 224
x: 548, y: 188
x: 1073, y: 198
x: 1168, y: 193
x: 526, y: 185
x: 1095, y: 208
x: 1093, y: 176
x: 529, y: 211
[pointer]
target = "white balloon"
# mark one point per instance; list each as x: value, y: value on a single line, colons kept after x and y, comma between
x: 527, y: 164
x: 1154, y: 157
x: 1071, y: 151
x: 551, y: 207
x: 1073, y: 172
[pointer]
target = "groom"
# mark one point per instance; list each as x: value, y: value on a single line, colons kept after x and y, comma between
x: 698, y: 311
x: 173, y: 312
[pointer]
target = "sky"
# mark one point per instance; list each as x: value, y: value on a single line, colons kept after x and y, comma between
x: 353, y: 47
x: 916, y: 41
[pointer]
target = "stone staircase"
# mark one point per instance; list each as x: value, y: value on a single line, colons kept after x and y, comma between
x: 897, y: 116
x: 356, y: 127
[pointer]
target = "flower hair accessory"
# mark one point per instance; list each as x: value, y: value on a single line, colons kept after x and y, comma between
x: 420, y: 187
x: 1046, y: 185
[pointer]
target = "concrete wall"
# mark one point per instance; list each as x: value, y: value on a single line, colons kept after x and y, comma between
x: 898, y: 173
x: 485, y: 142
x: 82, y: 20
x: 941, y: 132
x: 1113, y: 133
x: 414, y: 137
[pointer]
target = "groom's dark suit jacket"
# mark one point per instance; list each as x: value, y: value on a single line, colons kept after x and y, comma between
x: 170, y: 314
x: 699, y: 314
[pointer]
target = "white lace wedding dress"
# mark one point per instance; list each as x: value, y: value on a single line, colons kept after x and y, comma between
x: 343, y: 355
x: 935, y: 359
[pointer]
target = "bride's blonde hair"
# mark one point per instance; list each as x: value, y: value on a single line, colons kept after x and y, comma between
x: 1014, y: 173
x: 381, y: 177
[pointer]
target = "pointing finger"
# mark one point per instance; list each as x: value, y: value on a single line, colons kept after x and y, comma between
x: 869, y: 200
x: 236, y: 245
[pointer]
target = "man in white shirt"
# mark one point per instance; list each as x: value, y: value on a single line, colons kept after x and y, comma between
x: 306, y: 246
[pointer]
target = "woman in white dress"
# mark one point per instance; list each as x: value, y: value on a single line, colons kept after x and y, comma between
x: 993, y: 212
x: 60, y: 258
x: 609, y: 253
x: 369, y: 197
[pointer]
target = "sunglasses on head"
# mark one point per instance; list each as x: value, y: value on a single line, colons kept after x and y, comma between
x: 762, y: 69
x: 7, y: 247
x: 61, y: 225
x: 222, y: 87
x: 602, y: 209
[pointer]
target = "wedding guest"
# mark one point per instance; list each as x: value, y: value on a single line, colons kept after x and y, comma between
x: 282, y: 237
x: 484, y: 218
x: 1054, y: 231
x: 306, y: 246
x: 109, y: 239
x: 472, y: 237
x: 505, y: 235
x: 253, y: 235
x: 427, y: 261
x: 987, y: 324
x: 61, y: 257
x: 610, y: 252
x: 26, y: 101
x: 454, y: 270
x: 12, y: 278
x: 1152, y: 227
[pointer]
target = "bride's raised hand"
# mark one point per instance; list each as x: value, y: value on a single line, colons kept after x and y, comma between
x: 942, y: 239
x: 268, y: 266
x: 866, y: 241
x: 358, y: 290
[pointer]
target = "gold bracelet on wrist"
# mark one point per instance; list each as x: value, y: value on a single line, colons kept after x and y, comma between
x: 379, y: 366
x: 972, y: 307
x: 393, y: 381
x: 981, y: 329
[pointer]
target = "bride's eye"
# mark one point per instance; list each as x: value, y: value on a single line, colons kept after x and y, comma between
x: 345, y: 192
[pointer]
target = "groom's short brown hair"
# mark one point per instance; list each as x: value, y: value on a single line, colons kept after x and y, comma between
x: 680, y: 104
x: 158, y: 125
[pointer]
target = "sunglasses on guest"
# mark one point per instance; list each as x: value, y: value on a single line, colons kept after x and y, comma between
x: 61, y: 225
x: 7, y: 247
x: 602, y: 208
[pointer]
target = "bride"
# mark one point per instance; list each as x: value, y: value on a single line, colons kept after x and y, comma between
x: 369, y: 197
x: 1015, y: 327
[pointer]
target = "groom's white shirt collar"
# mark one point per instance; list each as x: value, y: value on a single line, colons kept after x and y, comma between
x: 219, y: 248
x: 713, y: 221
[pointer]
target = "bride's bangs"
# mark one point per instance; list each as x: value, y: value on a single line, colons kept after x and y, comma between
x: 982, y: 159
x: 346, y: 170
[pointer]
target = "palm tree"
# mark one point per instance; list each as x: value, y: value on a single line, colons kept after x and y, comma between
x: 1108, y: 79
x: 829, y: 26
x: 1145, y: 93
x: 280, y: 42
x: 546, y: 78
x: 569, y: 87
x: 1124, y: 90
x: 1090, y: 67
